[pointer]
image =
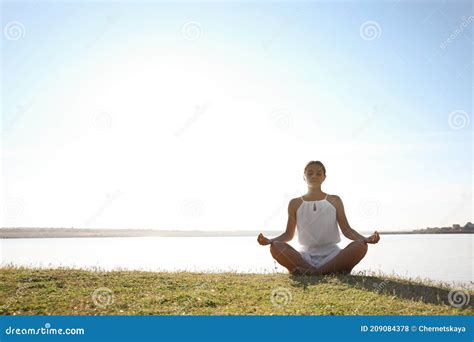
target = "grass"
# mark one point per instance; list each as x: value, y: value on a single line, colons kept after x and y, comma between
x: 27, y: 291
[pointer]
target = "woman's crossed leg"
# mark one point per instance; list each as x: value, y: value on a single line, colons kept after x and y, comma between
x: 343, y: 262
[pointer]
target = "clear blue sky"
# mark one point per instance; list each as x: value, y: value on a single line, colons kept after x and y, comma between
x: 101, y: 98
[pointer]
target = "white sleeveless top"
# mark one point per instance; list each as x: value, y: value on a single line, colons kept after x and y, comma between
x: 318, y: 232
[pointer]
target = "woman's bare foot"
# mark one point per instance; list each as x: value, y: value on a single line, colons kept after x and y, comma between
x: 299, y: 270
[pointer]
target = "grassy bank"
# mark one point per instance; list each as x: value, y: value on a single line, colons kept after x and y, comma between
x: 82, y: 292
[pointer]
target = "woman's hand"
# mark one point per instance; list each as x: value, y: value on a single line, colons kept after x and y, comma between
x: 374, y: 238
x: 263, y: 240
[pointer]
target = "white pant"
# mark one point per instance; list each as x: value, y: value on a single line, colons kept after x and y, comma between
x: 317, y: 258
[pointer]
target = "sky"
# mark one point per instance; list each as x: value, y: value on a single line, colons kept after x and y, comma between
x: 202, y: 115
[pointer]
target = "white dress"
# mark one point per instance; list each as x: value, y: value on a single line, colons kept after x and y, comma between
x: 318, y: 233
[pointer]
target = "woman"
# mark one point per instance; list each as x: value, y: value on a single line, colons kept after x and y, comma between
x: 316, y: 214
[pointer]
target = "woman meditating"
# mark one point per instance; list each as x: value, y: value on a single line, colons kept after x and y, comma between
x: 316, y: 215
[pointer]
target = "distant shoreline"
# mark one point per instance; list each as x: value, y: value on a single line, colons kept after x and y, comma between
x: 34, y: 233
x: 17, y: 233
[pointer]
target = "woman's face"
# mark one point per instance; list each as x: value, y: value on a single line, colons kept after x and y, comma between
x: 314, y: 175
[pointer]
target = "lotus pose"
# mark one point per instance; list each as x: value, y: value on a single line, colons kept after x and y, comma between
x: 316, y: 215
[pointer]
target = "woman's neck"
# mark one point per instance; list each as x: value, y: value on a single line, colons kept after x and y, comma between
x: 314, y: 192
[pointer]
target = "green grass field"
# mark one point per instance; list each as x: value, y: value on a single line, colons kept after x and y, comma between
x: 26, y: 291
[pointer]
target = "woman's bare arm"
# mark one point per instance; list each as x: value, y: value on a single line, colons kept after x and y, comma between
x: 290, y: 227
x: 346, y: 229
